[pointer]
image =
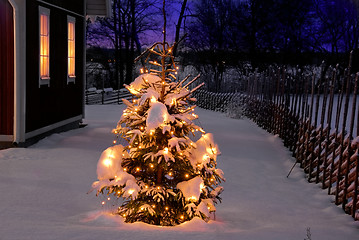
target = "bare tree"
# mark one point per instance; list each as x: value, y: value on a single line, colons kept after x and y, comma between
x: 131, y: 18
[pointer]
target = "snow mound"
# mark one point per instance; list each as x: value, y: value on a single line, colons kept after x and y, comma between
x: 139, y: 82
x: 109, y: 163
x: 157, y: 116
x: 191, y: 189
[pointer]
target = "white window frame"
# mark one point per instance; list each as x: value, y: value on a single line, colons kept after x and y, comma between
x: 71, y: 78
x: 44, y: 80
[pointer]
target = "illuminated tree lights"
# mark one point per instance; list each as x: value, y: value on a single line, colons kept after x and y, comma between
x: 163, y: 176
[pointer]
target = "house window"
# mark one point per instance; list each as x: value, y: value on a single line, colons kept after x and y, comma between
x: 44, y: 29
x: 71, y: 49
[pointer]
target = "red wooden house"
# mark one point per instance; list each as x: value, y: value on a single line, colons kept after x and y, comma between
x: 42, y: 66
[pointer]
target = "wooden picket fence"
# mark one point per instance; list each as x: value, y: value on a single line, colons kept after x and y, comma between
x: 316, y: 118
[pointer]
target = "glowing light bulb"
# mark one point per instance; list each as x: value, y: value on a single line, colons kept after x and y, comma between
x: 125, y: 169
x: 165, y: 151
x: 193, y: 198
x: 151, y: 165
x: 103, y: 203
x: 170, y: 173
x: 182, y: 217
x: 141, y: 128
x: 187, y: 176
x: 166, y: 208
x: 158, y: 188
x: 131, y: 191
x: 214, y: 150
x: 153, y: 206
x: 107, y: 162
x: 124, y: 215
x: 138, y: 169
x: 108, y: 199
x: 114, y: 141
x: 141, y: 70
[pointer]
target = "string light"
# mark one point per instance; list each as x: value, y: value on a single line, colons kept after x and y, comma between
x: 182, y: 217
x: 187, y: 176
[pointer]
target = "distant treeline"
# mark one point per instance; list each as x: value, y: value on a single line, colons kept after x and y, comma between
x: 221, y: 33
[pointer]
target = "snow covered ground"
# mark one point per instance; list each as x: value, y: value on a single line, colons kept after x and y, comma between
x: 43, y: 189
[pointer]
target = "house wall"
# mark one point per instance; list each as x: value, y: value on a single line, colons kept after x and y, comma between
x: 6, y: 69
x: 48, y: 105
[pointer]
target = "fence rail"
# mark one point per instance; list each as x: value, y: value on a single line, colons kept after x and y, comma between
x: 102, y: 97
x: 317, y: 119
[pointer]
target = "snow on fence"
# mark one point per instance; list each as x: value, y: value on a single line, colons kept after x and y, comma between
x: 317, y: 119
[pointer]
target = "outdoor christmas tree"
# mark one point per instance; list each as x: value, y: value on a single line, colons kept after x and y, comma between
x: 163, y: 176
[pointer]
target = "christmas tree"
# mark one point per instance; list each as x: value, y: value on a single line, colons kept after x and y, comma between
x: 163, y: 176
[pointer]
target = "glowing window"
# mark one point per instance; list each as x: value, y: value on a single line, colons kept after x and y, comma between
x: 71, y: 49
x: 44, y: 30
